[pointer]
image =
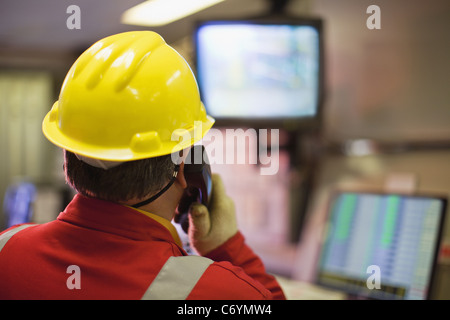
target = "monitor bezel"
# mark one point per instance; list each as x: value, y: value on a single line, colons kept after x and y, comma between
x: 429, y: 195
x: 301, y: 123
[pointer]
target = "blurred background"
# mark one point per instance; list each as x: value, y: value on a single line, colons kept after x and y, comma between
x: 382, y: 120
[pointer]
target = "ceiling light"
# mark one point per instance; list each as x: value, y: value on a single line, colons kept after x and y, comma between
x: 161, y: 12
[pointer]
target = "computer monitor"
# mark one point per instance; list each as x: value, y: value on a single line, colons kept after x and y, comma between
x: 260, y: 71
x: 382, y: 246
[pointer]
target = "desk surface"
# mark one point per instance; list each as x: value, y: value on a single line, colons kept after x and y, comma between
x: 296, y: 290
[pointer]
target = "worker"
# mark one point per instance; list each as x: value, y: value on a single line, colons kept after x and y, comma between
x: 120, y: 107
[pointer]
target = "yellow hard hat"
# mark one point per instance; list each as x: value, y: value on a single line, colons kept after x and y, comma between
x: 129, y: 96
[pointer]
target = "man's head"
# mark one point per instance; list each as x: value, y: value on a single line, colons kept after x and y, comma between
x: 132, y: 100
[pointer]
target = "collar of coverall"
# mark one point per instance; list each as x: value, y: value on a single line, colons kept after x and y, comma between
x: 166, y: 223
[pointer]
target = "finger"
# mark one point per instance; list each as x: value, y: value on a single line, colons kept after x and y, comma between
x: 200, y: 224
x: 221, y: 206
x: 224, y: 212
x: 218, y: 189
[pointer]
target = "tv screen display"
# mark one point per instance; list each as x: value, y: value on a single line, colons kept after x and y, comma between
x: 259, y: 70
x: 382, y: 246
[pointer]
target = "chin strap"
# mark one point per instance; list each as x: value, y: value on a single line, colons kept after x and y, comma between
x: 156, y: 196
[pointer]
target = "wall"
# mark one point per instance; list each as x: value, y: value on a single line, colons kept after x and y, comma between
x: 391, y: 83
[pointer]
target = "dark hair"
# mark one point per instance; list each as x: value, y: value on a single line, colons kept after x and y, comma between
x: 132, y: 179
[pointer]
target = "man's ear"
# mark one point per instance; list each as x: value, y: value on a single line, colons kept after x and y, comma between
x: 180, y: 176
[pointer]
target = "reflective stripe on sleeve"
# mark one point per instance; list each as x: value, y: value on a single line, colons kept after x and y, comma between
x: 7, y: 235
x: 177, y: 278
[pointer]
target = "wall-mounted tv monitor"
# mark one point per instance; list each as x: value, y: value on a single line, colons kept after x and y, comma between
x: 260, y: 71
x: 382, y: 246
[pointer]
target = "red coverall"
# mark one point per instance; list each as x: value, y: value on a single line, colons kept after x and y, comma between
x: 119, y: 251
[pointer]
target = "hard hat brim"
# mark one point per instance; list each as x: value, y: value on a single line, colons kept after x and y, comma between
x: 53, y: 133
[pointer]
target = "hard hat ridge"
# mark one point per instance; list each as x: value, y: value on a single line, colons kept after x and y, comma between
x: 120, y: 52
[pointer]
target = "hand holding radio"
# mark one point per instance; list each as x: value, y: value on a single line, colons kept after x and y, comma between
x: 214, y: 225
x: 205, y: 212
